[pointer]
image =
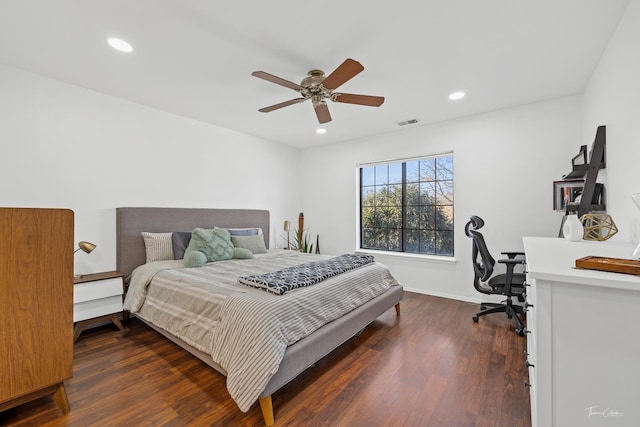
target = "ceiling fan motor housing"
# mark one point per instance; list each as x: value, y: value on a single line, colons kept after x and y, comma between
x: 313, y: 88
x: 314, y: 78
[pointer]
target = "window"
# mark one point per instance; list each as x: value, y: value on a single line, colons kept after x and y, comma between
x: 407, y: 206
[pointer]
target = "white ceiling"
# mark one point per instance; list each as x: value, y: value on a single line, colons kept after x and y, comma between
x: 195, y: 57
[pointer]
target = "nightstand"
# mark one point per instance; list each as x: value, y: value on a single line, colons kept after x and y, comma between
x: 97, y: 297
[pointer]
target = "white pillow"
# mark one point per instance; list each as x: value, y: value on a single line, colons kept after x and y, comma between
x: 255, y: 243
x: 249, y: 231
x: 159, y: 246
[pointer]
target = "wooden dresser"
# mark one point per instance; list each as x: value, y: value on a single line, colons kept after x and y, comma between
x: 36, y: 305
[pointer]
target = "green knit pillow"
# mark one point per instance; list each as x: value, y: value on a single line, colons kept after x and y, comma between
x: 209, y: 245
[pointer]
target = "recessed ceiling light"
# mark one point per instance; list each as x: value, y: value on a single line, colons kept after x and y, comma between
x: 321, y: 131
x: 120, y: 45
x: 456, y: 95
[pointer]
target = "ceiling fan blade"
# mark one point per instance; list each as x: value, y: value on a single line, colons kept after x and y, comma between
x: 277, y: 80
x: 342, y: 74
x: 351, y: 98
x: 280, y: 105
x: 322, y: 111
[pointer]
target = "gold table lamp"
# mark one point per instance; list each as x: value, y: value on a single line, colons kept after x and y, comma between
x: 85, y: 246
x: 287, y: 227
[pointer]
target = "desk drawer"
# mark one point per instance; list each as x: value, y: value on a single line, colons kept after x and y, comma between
x: 98, y: 289
x: 97, y: 307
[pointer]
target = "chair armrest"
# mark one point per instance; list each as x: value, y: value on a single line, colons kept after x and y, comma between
x: 511, y: 265
x: 512, y: 255
x: 511, y: 261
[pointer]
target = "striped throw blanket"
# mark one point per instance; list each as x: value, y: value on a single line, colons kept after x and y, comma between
x: 299, y: 276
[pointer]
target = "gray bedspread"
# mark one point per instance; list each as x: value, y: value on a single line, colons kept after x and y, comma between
x: 246, y: 331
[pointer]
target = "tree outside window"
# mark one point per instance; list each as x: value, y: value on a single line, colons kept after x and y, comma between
x: 407, y: 206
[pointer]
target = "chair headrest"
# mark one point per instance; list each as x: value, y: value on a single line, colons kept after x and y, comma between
x: 478, y: 222
x: 474, y: 221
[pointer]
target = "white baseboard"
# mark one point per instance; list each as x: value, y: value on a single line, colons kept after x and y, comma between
x: 443, y: 295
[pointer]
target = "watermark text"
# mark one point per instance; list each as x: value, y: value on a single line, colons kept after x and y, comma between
x: 603, y: 412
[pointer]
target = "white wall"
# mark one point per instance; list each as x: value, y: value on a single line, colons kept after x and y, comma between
x: 612, y: 98
x: 504, y: 165
x: 64, y: 146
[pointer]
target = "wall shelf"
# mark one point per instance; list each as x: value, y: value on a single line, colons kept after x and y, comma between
x: 580, y: 171
x: 589, y: 171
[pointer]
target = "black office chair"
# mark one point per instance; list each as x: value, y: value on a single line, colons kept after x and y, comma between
x: 509, y: 284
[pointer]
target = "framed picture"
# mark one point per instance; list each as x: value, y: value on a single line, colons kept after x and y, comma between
x: 566, y: 193
x: 580, y: 158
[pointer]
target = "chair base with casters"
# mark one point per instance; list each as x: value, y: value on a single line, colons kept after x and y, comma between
x: 513, y: 311
x: 509, y: 284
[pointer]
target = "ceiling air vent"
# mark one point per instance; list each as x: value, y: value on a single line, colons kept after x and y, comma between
x: 408, y: 122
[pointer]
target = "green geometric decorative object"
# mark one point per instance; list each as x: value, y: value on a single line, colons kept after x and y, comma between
x: 598, y: 227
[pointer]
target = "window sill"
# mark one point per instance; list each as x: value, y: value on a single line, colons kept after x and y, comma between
x: 405, y: 255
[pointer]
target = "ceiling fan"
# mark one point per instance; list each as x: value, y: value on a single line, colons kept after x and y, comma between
x: 319, y: 88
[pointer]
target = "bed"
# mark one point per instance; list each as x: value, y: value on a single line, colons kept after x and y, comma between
x: 296, y: 357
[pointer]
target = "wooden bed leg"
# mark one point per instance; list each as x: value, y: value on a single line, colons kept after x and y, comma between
x: 60, y: 398
x: 267, y: 410
x: 398, y: 309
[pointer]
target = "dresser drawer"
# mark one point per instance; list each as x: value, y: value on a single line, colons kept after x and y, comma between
x: 98, y: 289
x: 97, y: 307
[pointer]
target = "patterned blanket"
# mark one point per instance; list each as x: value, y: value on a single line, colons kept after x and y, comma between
x: 299, y: 276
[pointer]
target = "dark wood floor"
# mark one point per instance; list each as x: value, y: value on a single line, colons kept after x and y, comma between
x: 432, y: 366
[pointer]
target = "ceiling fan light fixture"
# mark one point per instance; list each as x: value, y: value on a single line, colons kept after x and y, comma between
x: 120, y: 45
x: 455, y: 96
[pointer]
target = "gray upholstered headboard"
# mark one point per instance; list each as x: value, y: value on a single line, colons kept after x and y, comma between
x: 131, y: 222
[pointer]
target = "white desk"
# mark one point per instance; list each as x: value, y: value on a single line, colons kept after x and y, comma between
x: 584, y: 339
